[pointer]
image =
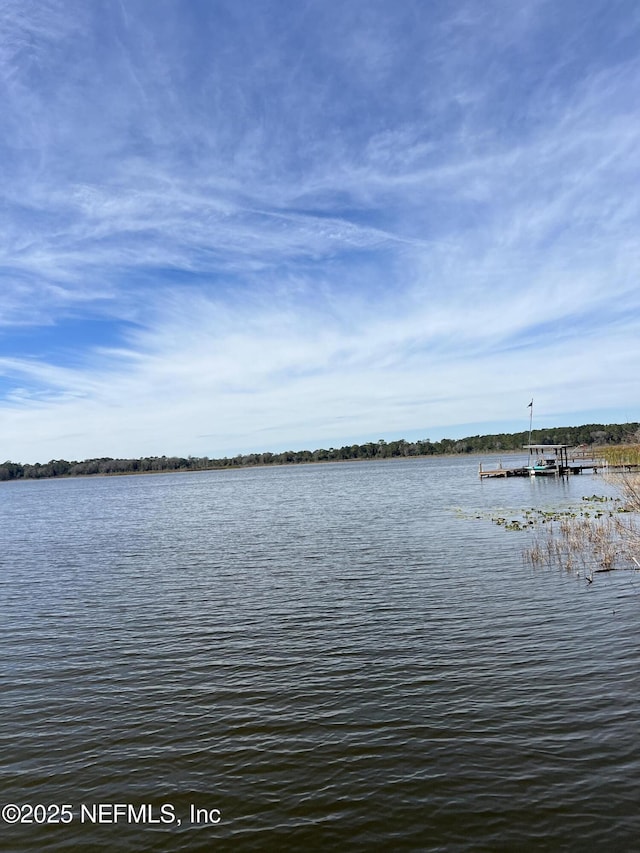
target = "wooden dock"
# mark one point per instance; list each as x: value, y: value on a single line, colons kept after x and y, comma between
x: 554, y: 460
x: 562, y: 465
x: 560, y: 470
x: 503, y: 472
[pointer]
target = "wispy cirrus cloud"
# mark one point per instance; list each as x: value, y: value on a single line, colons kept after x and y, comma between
x: 315, y: 222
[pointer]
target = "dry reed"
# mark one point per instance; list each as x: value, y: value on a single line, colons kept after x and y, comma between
x: 600, y: 543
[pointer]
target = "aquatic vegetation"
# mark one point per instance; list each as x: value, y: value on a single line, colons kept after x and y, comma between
x: 589, y: 543
x: 599, y: 534
x: 624, y: 454
x: 532, y: 517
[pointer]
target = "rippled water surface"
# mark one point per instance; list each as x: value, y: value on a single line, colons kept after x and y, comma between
x: 333, y: 657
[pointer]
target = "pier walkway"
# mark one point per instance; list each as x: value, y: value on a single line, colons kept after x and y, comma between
x: 559, y: 462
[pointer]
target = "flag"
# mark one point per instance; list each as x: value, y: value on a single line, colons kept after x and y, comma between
x: 530, y: 406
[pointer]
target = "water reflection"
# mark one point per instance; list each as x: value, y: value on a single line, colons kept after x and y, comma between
x: 334, y: 656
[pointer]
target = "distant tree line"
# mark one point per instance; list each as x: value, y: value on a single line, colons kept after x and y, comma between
x: 588, y: 434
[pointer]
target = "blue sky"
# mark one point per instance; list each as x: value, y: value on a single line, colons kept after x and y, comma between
x: 241, y: 226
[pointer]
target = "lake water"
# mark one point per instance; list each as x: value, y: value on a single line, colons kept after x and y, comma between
x: 328, y: 657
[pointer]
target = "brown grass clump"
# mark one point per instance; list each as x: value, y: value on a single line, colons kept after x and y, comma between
x: 626, y: 455
x: 599, y: 543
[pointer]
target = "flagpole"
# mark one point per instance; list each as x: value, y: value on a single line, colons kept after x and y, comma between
x: 530, y: 423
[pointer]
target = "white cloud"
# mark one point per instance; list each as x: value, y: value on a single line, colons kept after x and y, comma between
x: 380, y: 223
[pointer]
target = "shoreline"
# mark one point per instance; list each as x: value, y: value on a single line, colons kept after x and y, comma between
x: 482, y: 454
